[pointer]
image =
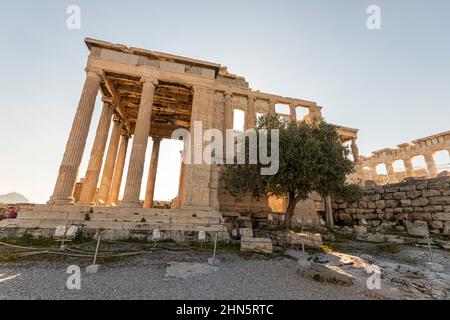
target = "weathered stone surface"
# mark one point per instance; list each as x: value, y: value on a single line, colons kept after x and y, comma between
x: 262, y: 245
x: 417, y: 228
x: 446, y: 228
x: 437, y: 224
x: 321, y: 273
x: 443, y: 216
x: 381, y: 204
x: 246, y: 233
x: 420, y: 202
x: 360, y: 229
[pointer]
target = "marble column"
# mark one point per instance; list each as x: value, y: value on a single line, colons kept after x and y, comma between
x: 391, y: 178
x: 118, y: 170
x: 68, y: 171
x: 250, y: 121
x: 431, y: 165
x: 409, y: 168
x: 140, y: 140
x: 108, y: 169
x: 96, y: 159
x: 293, y: 112
x: 150, y: 192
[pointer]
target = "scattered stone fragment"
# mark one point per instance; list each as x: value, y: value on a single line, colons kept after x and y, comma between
x: 262, y: 245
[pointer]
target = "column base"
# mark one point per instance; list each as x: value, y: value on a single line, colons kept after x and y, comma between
x: 130, y: 204
x: 92, y: 204
x: 61, y: 201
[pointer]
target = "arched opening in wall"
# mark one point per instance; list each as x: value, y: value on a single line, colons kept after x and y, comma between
x: 301, y: 113
x: 238, y: 120
x: 442, y: 160
x: 399, y: 169
x: 167, y: 174
x: 420, y: 167
x: 382, y: 172
x: 381, y: 169
x: 283, y: 110
x: 399, y: 166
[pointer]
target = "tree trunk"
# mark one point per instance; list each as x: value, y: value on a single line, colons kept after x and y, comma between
x: 329, y: 211
x: 292, y: 203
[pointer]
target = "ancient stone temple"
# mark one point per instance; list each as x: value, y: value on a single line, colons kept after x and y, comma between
x: 147, y: 95
x: 424, y: 147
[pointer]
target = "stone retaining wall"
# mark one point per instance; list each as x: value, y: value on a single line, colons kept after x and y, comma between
x: 394, y: 204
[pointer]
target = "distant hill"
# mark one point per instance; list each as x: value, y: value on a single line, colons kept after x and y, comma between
x: 12, y: 198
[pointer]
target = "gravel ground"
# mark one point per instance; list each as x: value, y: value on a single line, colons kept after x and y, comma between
x: 142, y: 277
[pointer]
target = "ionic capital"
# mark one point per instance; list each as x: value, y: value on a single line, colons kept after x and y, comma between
x: 94, y: 72
x: 149, y: 80
x: 117, y: 119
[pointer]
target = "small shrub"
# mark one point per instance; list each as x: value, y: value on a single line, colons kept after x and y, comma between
x: 389, y: 248
x: 87, y: 217
x: 350, y: 193
x: 143, y: 220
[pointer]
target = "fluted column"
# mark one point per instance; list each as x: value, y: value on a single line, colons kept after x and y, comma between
x: 250, y: 122
x: 431, y: 165
x: 150, y: 192
x: 293, y: 111
x: 108, y: 169
x: 137, y: 158
x: 118, y: 170
x: 391, y: 178
x: 409, y: 167
x: 68, y: 171
x: 96, y: 159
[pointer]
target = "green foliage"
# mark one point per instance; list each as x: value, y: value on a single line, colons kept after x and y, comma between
x: 349, y: 193
x: 311, y: 158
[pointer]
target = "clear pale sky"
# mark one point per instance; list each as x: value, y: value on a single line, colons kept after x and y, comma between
x: 393, y: 84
